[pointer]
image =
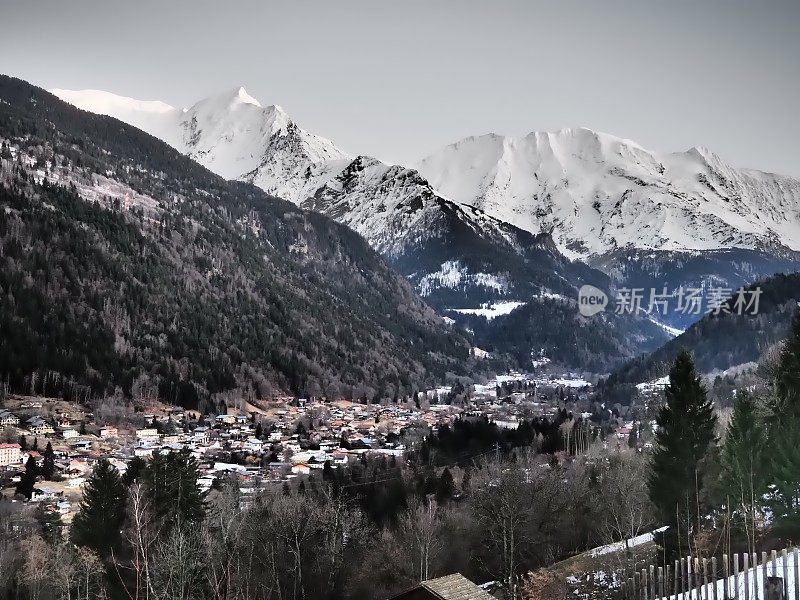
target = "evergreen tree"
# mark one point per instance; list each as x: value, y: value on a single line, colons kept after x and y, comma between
x: 787, y: 384
x: 445, y: 487
x: 135, y: 470
x: 23, y: 443
x: 743, y: 461
x: 49, y: 462
x: 102, y: 510
x: 785, y: 475
x: 171, y: 483
x: 784, y: 436
x: 633, y: 437
x: 685, y: 435
x: 28, y: 479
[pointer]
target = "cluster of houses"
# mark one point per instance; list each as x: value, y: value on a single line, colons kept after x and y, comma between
x: 287, y: 439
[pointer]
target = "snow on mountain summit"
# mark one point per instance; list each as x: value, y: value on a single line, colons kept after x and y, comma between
x: 231, y: 133
x: 595, y: 193
x: 598, y: 193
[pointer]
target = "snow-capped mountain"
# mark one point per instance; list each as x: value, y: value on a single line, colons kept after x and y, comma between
x: 491, y: 218
x: 455, y: 254
x: 598, y: 193
x: 230, y: 134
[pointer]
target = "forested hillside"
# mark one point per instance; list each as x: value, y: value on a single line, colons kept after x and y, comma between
x: 126, y: 264
x: 554, y: 328
x: 727, y: 339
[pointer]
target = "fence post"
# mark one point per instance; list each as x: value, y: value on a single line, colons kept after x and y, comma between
x: 714, y: 576
x: 764, y: 570
x: 785, y: 561
x: 660, y: 582
x: 796, y: 555
x: 684, y: 578
x: 637, y: 587
x: 746, y: 568
x: 696, y: 581
x: 735, y: 576
x: 644, y: 584
x: 653, y: 589
x: 726, y: 573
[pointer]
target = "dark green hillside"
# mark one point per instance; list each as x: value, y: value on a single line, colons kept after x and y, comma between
x: 213, y: 286
x: 555, y: 329
x: 724, y: 340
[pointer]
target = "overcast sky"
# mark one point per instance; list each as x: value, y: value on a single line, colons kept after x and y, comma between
x: 398, y: 79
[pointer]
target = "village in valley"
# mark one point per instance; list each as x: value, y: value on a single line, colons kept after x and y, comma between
x: 269, y: 443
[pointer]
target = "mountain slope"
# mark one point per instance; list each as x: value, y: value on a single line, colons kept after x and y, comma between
x: 597, y: 193
x: 718, y: 342
x: 127, y: 264
x: 426, y: 237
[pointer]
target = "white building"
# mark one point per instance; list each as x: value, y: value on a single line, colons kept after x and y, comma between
x: 10, y: 454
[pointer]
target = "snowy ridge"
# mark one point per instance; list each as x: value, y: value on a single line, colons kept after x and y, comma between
x: 230, y: 133
x: 598, y: 193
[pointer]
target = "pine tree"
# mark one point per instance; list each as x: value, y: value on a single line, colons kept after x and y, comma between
x: 743, y: 461
x: 102, y: 510
x: 171, y: 483
x: 633, y: 437
x: 28, y: 479
x: 685, y: 435
x: 785, y: 475
x: 787, y: 385
x: 784, y: 433
x: 135, y: 470
x: 445, y: 487
x: 49, y: 462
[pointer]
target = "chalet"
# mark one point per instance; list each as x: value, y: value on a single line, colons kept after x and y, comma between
x: 449, y: 587
x: 68, y: 433
x: 148, y: 433
x: 8, y: 419
x: 38, y: 426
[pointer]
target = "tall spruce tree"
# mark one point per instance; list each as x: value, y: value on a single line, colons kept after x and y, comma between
x: 684, y: 437
x: 28, y: 479
x: 787, y: 384
x: 784, y: 433
x: 101, y: 515
x: 171, y: 483
x: 785, y: 476
x: 743, y: 476
x: 48, y: 462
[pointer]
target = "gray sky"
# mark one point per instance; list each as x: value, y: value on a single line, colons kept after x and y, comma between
x: 398, y: 79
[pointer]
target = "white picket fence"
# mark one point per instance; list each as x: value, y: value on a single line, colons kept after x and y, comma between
x: 742, y: 577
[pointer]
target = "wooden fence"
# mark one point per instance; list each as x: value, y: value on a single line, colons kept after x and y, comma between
x: 776, y: 576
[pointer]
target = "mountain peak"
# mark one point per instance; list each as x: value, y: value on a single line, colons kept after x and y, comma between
x: 244, y: 97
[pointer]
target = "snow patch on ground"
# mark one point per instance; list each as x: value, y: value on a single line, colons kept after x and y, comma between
x: 490, y: 311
